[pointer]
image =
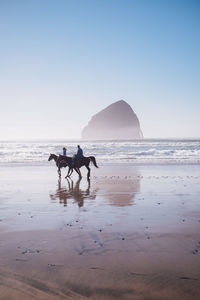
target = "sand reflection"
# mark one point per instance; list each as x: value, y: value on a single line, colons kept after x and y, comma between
x: 117, y: 191
x: 120, y: 191
x: 72, y: 192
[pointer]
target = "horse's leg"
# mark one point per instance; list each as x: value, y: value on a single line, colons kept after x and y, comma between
x: 78, y: 171
x: 88, y: 174
x: 71, y: 169
x: 68, y: 173
x: 80, y: 175
x: 59, y: 172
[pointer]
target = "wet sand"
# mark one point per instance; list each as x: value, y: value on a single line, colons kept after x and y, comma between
x: 129, y: 233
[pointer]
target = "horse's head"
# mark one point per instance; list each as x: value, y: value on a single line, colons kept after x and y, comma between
x: 50, y: 157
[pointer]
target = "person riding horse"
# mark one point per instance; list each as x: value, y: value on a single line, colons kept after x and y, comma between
x: 64, y: 151
x: 75, y: 162
x: 77, y: 156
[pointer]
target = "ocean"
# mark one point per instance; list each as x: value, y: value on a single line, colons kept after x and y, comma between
x: 138, y: 152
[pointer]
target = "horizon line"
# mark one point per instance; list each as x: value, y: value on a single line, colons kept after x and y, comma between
x: 93, y: 140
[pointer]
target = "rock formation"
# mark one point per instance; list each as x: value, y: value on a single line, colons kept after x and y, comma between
x: 117, y: 121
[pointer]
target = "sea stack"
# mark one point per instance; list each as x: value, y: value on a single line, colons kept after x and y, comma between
x: 116, y: 122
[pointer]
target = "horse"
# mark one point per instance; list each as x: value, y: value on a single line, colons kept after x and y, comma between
x: 78, y: 163
x: 59, y: 163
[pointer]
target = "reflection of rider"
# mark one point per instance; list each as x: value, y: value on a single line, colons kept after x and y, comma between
x: 78, y: 155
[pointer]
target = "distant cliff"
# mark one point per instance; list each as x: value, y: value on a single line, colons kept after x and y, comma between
x: 117, y: 121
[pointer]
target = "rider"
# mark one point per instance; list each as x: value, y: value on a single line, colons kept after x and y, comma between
x: 64, y: 151
x: 79, y: 152
x: 78, y: 155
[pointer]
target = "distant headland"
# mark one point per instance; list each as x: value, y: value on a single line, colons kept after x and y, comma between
x: 117, y: 121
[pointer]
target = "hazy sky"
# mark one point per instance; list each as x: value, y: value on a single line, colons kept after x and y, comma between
x: 63, y: 61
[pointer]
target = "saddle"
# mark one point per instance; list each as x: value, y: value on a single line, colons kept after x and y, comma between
x: 62, y: 164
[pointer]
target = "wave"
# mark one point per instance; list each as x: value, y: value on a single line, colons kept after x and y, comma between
x: 144, y: 151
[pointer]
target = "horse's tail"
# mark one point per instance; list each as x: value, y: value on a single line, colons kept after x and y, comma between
x: 92, y: 158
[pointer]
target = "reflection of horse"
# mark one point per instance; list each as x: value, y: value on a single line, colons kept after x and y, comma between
x: 78, y: 163
x: 73, y: 192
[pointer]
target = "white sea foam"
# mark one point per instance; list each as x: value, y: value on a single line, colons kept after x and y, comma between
x: 136, y: 152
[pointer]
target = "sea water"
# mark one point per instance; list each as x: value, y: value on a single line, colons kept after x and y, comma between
x: 146, y: 151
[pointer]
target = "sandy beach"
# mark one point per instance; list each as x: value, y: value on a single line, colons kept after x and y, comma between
x: 129, y: 233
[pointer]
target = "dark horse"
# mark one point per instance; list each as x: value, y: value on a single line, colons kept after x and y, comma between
x: 64, y: 161
x: 59, y: 163
x: 78, y: 163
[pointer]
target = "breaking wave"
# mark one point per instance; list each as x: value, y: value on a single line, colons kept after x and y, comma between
x: 136, y: 152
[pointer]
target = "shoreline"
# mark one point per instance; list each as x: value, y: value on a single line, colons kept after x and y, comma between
x: 103, y: 164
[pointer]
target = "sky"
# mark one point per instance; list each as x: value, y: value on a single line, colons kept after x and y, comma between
x: 63, y: 61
